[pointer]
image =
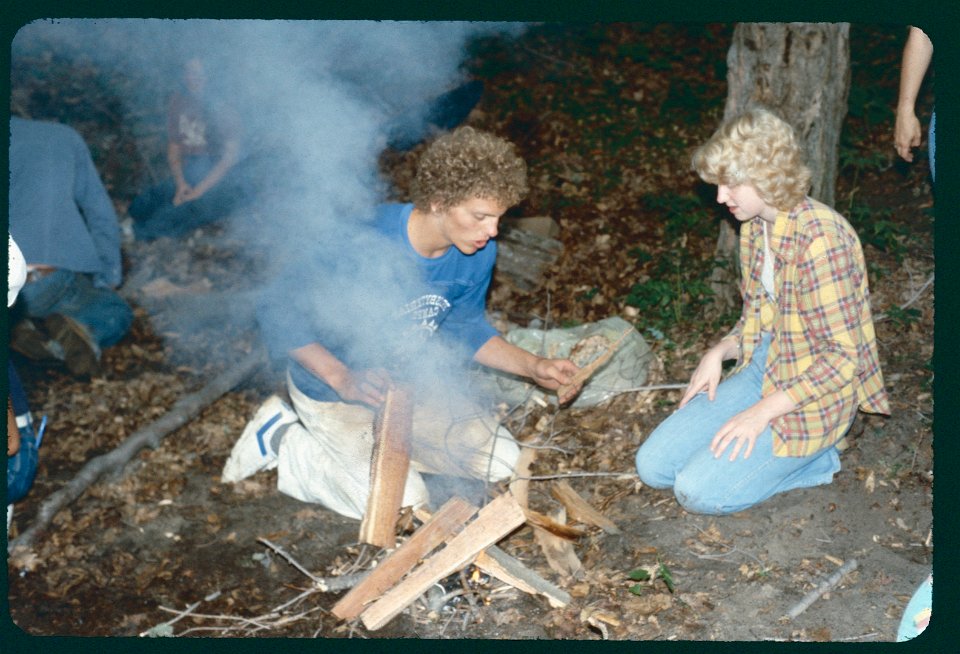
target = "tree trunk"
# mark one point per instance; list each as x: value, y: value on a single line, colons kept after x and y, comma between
x: 802, y: 71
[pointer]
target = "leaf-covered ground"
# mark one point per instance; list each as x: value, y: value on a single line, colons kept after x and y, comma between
x: 605, y: 116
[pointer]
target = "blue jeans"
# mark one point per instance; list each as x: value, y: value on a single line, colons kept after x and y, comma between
x: 22, y: 466
x: 917, y: 613
x: 104, y: 313
x: 677, y: 454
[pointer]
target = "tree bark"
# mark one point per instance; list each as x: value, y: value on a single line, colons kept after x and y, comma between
x: 802, y: 71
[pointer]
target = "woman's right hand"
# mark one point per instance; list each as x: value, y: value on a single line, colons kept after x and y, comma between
x: 707, y: 375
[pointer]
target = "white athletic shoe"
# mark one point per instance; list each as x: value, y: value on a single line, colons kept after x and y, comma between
x: 252, y: 452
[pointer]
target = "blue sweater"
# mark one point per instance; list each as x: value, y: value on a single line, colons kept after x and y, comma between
x: 448, y: 299
x: 60, y: 214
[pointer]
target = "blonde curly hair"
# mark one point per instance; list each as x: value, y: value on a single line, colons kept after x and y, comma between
x: 757, y: 148
x: 465, y: 164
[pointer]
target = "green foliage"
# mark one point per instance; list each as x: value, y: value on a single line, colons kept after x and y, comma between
x: 871, y: 103
x: 678, y: 286
x: 588, y: 295
x: 650, y: 574
x: 685, y: 214
x: 875, y: 227
x: 903, y: 317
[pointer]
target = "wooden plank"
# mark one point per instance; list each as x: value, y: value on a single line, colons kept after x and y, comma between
x: 565, y: 392
x: 389, y: 466
x: 493, y: 522
x: 497, y: 563
x: 581, y: 510
x: 446, y: 522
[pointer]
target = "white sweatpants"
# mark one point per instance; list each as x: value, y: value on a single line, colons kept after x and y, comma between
x: 325, y: 458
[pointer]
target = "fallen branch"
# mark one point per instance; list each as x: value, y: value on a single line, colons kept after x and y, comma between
x: 825, y: 587
x: 182, y: 412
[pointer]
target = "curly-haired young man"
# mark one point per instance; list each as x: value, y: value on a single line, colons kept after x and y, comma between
x: 805, y: 345
x: 465, y: 182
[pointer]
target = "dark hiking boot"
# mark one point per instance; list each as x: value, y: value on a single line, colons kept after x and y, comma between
x: 29, y: 341
x: 80, y: 351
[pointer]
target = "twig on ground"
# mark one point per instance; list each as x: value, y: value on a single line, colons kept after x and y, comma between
x: 826, y: 586
x: 913, y: 298
x: 654, y: 387
x: 323, y: 584
x: 872, y: 634
x: 567, y: 475
x: 157, y: 629
x: 292, y: 561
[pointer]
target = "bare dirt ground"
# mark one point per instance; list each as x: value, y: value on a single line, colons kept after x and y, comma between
x: 604, y: 127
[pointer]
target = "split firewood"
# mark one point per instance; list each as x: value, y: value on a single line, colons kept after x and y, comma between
x: 559, y: 552
x: 545, y: 522
x: 500, y: 565
x: 493, y: 522
x: 388, y: 468
x: 182, y: 412
x: 446, y: 522
x: 580, y: 510
x: 566, y: 392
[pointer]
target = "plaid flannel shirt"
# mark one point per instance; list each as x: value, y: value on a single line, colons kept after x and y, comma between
x: 823, y: 353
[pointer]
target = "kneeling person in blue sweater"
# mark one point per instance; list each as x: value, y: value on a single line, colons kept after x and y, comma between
x: 322, y: 444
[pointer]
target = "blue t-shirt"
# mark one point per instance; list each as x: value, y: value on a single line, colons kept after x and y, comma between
x: 448, y: 300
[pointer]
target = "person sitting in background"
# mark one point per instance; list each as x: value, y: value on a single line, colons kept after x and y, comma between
x: 805, y: 346
x: 444, y: 240
x: 204, y: 155
x: 66, y: 226
x: 21, y: 444
x: 917, y: 53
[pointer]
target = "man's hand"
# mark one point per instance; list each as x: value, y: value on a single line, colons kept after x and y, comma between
x: 557, y: 374
x: 906, y: 133
x: 366, y: 386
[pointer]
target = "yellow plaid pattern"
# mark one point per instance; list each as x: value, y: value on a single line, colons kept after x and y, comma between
x: 823, y: 353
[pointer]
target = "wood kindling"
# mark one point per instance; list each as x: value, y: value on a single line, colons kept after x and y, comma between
x: 389, y: 465
x: 500, y: 565
x: 579, y: 509
x: 446, y: 522
x: 493, y: 522
x: 564, y: 393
